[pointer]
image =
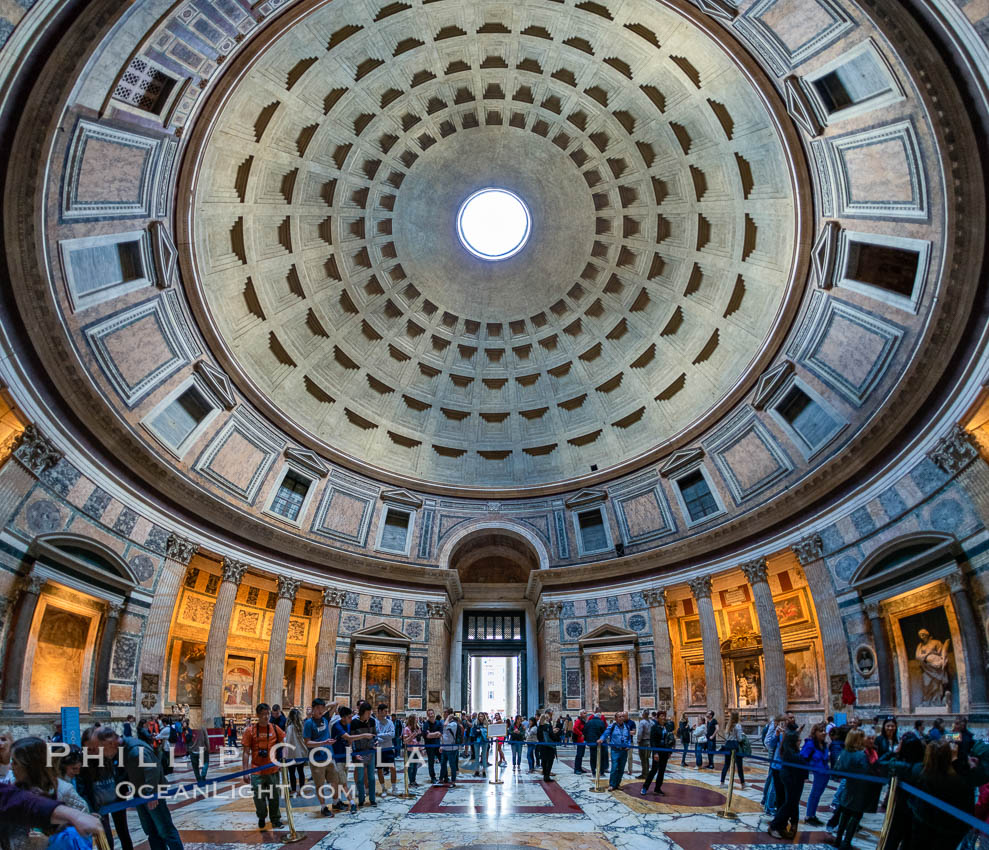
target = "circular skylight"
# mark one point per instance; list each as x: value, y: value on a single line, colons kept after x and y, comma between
x: 493, y: 224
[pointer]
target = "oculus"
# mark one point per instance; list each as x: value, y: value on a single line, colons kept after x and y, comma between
x: 494, y: 224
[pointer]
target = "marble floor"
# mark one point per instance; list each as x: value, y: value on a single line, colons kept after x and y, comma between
x: 523, y: 812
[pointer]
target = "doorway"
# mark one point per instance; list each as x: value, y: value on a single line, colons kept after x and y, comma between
x: 494, y: 662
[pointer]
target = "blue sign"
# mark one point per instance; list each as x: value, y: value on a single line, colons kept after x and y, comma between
x: 840, y: 719
x: 71, y: 733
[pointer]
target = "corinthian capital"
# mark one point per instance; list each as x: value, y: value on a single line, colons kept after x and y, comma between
x: 32, y: 583
x: 954, y: 451
x: 233, y: 570
x: 333, y: 598
x: 755, y: 570
x: 436, y: 610
x: 179, y: 549
x: 36, y: 451
x: 655, y: 596
x: 288, y: 587
x: 551, y: 610
x: 955, y: 582
x: 700, y: 587
x: 810, y: 548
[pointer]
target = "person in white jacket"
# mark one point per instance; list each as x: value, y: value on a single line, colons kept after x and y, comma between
x: 295, y: 748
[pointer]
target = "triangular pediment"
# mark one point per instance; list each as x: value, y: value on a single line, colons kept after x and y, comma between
x: 769, y: 383
x: 308, y: 460
x: 401, y: 497
x: 218, y: 382
x: 720, y: 9
x: 380, y: 633
x: 608, y: 635
x: 165, y: 254
x: 681, y: 460
x: 824, y: 253
x: 585, y: 498
x: 800, y: 108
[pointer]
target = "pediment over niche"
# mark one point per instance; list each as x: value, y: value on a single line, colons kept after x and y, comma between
x: 770, y: 382
x: 585, y: 498
x: 308, y: 460
x: 218, y: 383
x: 610, y: 635
x: 401, y: 497
x: 381, y: 636
x: 680, y: 460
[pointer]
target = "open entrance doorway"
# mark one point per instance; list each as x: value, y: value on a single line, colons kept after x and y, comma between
x: 494, y: 662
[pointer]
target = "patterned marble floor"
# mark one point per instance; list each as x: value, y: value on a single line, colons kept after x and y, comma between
x: 523, y: 812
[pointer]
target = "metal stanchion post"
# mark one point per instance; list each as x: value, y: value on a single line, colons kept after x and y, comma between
x: 405, y: 771
x: 728, y: 813
x: 496, y: 780
x: 597, y: 769
x: 291, y: 837
x: 888, y: 820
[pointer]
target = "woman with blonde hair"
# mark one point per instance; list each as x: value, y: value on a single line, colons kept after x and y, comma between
x: 412, y: 740
x: 734, y: 738
x: 6, y: 743
x: 295, y: 748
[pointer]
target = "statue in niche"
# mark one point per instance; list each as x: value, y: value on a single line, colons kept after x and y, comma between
x: 748, y: 686
x: 932, y: 656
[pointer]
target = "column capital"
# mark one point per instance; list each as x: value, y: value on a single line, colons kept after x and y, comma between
x: 655, y: 597
x: 288, y: 587
x: 32, y: 583
x: 808, y: 549
x: 333, y: 598
x: 954, y: 451
x: 956, y: 582
x: 36, y: 451
x: 873, y: 610
x: 550, y: 610
x: 233, y: 570
x: 756, y: 571
x: 436, y: 610
x: 179, y: 549
x: 114, y: 610
x: 700, y: 587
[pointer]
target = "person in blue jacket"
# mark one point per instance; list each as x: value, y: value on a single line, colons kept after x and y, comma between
x: 815, y: 750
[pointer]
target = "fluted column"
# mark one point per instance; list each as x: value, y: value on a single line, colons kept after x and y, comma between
x: 178, y: 553
x: 326, y: 647
x: 356, y: 670
x: 216, y: 642
x: 701, y: 589
x: 837, y: 661
x: 632, y: 703
x: 958, y: 455
x: 662, y: 647
x: 104, y: 654
x: 510, y: 686
x: 24, y: 611
x: 549, y: 653
x: 400, y: 701
x: 774, y: 688
x: 287, y: 588
x: 968, y: 626
x: 884, y: 655
x: 438, y: 660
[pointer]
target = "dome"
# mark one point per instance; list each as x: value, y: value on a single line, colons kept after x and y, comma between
x: 323, y: 199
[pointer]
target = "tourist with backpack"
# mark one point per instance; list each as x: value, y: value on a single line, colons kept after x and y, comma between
x: 258, y: 741
x: 451, y: 740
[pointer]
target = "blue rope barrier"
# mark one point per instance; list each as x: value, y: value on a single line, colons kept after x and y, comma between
x: 964, y: 817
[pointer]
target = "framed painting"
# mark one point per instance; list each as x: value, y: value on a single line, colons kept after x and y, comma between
x: 801, y: 676
x: 791, y: 610
x: 611, y: 687
x: 690, y: 629
x: 238, y: 685
x: 377, y: 684
x: 189, y: 672
x: 739, y: 620
x: 696, y: 684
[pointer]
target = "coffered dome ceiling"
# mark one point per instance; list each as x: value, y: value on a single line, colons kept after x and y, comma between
x: 326, y: 266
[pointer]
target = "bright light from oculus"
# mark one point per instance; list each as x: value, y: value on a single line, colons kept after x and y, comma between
x: 494, y: 224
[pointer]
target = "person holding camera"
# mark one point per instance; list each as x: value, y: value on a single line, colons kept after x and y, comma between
x: 258, y: 741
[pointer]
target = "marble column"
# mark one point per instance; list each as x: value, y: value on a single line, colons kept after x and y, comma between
x: 701, y: 589
x: 356, y: 671
x: 632, y: 703
x: 476, y: 684
x: 774, y: 688
x: 178, y: 553
x: 834, y: 642
x: 958, y: 455
x: 287, y: 588
x: 437, y: 662
x: 968, y: 626
x: 662, y: 647
x: 104, y: 654
x: 549, y: 668
x: 401, y: 689
x: 588, y: 684
x: 232, y: 573
x: 510, y: 687
x: 884, y: 655
x: 20, y: 629
x: 326, y: 647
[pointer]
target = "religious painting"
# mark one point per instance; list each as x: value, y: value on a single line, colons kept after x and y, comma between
x: 238, y: 685
x: 747, y: 682
x: 189, y: 673
x: 801, y: 675
x: 690, y: 629
x: 930, y: 660
x: 791, y: 610
x: 290, y: 676
x: 611, y: 687
x: 377, y: 684
x: 739, y: 621
x: 59, y: 659
x: 696, y: 684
